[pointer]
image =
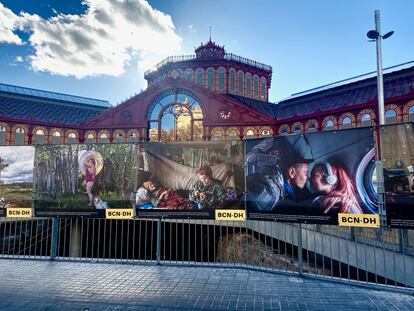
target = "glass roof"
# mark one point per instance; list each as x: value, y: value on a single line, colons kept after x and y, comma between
x: 52, y: 95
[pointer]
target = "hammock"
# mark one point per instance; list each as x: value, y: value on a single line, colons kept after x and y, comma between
x: 177, y: 176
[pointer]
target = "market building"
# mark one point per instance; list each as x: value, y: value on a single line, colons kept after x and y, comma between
x: 212, y: 95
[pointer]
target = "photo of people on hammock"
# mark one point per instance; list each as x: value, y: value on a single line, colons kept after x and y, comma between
x: 189, y: 176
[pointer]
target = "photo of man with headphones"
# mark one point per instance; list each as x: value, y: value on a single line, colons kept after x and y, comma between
x: 309, y: 177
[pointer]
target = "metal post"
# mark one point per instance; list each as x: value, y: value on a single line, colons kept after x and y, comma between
x: 75, y: 239
x: 158, y: 241
x: 380, y: 83
x: 381, y: 118
x: 300, y: 250
x: 54, y: 240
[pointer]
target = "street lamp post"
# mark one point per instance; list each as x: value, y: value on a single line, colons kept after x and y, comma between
x: 375, y: 35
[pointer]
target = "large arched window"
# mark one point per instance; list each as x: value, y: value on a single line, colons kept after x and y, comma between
x: 366, y: 120
x: 199, y: 76
x: 210, y: 79
x: 221, y: 79
x: 411, y: 114
x: 241, y: 83
x: 232, y: 80
x: 248, y: 84
x: 390, y: 116
x: 175, y: 116
x: 256, y: 86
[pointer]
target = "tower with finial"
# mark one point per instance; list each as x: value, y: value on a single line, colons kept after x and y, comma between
x: 210, y: 50
x: 217, y: 70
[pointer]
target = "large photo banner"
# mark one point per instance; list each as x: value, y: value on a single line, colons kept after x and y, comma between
x: 83, y: 180
x: 16, y: 177
x: 189, y: 180
x: 398, y: 160
x: 312, y: 178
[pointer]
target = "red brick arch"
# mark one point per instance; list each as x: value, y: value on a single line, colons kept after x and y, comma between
x: 115, y: 136
x: 370, y: 112
x: 93, y: 133
x: 406, y: 111
x: 282, y: 127
x: 255, y: 131
x: 71, y: 132
x: 265, y: 128
x: 7, y: 132
x: 60, y: 131
x: 310, y: 122
x: 13, y: 133
x: 397, y: 111
x: 347, y: 115
x: 295, y: 125
x: 333, y: 119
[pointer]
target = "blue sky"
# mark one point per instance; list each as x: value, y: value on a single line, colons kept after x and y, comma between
x: 101, y: 50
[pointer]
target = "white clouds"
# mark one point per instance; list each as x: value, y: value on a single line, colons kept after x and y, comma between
x: 20, y: 160
x: 8, y: 22
x: 102, y: 41
x: 18, y: 59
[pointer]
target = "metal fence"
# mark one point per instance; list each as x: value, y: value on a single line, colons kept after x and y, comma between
x: 373, y: 256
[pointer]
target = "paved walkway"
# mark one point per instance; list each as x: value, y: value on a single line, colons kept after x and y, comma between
x: 54, y: 285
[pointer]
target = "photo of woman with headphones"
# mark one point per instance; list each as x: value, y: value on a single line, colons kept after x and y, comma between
x: 334, y: 189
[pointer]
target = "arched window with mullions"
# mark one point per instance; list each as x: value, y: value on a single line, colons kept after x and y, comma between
x: 232, y: 80
x: 199, y: 76
x: 210, y: 79
x: 221, y: 79
x: 390, y: 116
x: 241, y: 83
x: 248, y: 84
x: 264, y: 89
x: 256, y: 86
x: 175, y: 116
x: 366, y: 120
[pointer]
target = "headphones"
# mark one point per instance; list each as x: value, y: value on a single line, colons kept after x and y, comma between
x: 331, y: 178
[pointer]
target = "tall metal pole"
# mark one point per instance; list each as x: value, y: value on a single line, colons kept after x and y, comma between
x: 380, y: 82
x: 381, y: 118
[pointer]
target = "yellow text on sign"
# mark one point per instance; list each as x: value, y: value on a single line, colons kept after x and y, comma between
x: 235, y: 214
x: 15, y: 212
x: 115, y: 213
x: 359, y: 220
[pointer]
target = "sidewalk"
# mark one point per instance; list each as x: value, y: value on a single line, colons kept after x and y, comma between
x: 55, y: 285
